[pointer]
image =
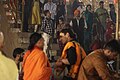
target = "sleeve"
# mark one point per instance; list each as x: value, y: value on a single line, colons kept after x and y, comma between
x: 54, y: 9
x: 44, y: 68
x: 101, y: 68
x: 43, y: 25
x: 45, y: 7
x: 71, y: 55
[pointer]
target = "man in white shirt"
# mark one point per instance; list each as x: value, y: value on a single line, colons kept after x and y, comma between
x: 51, y: 7
x: 8, y: 68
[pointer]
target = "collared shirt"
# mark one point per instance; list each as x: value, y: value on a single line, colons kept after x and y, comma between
x: 47, y: 26
x: 52, y: 8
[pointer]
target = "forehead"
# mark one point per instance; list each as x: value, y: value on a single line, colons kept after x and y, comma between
x: 41, y: 38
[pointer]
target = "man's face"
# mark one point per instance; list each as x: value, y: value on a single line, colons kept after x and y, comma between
x: 111, y: 55
x: 49, y: 15
x: 60, y: 22
x: 89, y: 8
x: 101, y: 5
x: 19, y: 57
x: 63, y: 38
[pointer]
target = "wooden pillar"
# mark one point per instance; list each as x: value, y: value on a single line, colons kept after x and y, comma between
x: 23, y: 3
x: 118, y: 30
x: 15, y: 2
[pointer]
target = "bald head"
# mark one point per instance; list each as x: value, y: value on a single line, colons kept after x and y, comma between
x: 1, y: 39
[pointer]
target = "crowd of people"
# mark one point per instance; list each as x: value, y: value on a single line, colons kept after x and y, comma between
x: 86, y: 43
x: 35, y: 65
x: 89, y: 25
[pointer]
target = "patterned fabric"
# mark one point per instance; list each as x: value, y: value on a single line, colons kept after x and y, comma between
x: 47, y: 26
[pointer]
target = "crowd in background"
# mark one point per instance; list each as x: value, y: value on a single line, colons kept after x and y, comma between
x: 91, y: 26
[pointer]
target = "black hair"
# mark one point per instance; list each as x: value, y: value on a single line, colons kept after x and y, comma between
x: 61, y: 18
x: 101, y: 2
x: 88, y: 5
x: 33, y: 40
x: 45, y: 12
x: 113, y: 45
x: 70, y: 31
x: 111, y: 5
x: 17, y: 51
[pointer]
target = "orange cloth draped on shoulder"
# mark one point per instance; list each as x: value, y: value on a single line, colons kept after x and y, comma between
x: 36, y: 66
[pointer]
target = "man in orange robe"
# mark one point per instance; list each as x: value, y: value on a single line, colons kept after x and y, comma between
x: 35, y: 63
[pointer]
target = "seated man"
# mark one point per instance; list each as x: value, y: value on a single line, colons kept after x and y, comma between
x: 94, y: 66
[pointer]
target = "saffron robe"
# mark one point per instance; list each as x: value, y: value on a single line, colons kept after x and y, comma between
x: 36, y: 65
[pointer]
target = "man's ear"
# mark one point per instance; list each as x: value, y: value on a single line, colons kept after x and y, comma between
x: 67, y: 35
x: 108, y: 52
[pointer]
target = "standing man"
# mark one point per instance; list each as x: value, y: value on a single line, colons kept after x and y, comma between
x: 8, y: 68
x: 47, y: 28
x: 102, y: 15
x: 72, y: 54
x: 78, y: 24
x: 88, y: 30
x: 94, y: 66
x: 35, y: 63
x: 51, y: 7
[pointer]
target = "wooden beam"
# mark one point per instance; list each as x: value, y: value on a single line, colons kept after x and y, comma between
x: 117, y: 30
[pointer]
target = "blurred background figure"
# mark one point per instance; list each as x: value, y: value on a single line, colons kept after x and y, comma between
x: 102, y: 16
x: 8, y: 68
x: 18, y: 56
x: 88, y: 30
x: 112, y: 13
x: 77, y: 25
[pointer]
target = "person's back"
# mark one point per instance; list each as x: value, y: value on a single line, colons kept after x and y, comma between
x: 8, y: 68
x: 94, y: 66
x: 91, y: 66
